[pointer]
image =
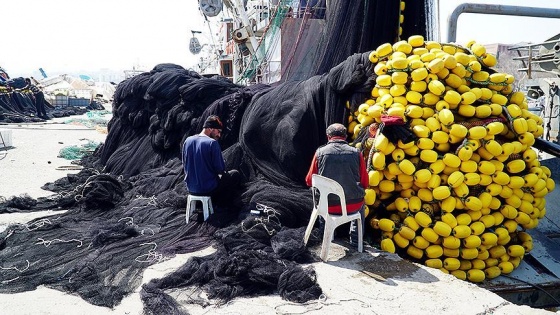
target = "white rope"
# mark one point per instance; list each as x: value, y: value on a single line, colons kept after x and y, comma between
x: 270, y: 212
x: 16, y: 268
x: 153, y: 199
x: 317, y: 305
x: 48, y: 243
x: 130, y: 222
x: 9, y: 234
x: 151, y: 256
x: 79, y: 190
x: 149, y: 229
x: 37, y: 224
x: 10, y: 280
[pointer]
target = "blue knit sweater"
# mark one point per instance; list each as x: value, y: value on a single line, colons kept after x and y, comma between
x: 203, y: 162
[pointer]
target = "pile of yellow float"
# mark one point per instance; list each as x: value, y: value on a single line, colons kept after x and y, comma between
x: 459, y: 197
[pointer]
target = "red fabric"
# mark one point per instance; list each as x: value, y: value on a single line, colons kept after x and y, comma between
x: 350, y: 208
x: 392, y: 120
x: 364, y: 181
x: 313, y: 169
x: 364, y: 178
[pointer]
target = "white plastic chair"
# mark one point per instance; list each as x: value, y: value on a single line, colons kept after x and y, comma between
x: 206, y: 206
x: 328, y: 186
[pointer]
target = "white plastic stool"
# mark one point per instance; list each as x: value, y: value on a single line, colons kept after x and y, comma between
x: 206, y: 206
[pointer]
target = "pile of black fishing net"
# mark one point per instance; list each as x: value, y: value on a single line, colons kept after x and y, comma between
x: 17, y: 104
x: 353, y: 26
x: 126, y: 208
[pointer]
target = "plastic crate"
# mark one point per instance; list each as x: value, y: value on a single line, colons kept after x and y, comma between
x: 60, y: 100
x: 74, y: 101
x: 80, y: 93
x: 7, y: 137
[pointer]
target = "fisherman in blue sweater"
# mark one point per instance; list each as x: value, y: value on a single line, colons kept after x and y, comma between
x: 205, y: 173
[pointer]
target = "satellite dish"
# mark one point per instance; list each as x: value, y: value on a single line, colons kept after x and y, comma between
x: 210, y: 8
x: 194, y: 46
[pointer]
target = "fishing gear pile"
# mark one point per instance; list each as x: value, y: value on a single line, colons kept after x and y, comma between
x: 459, y: 191
x: 126, y: 209
x: 17, y: 102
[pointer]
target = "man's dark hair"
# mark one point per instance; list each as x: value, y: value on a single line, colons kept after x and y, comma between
x: 336, y: 130
x: 214, y: 122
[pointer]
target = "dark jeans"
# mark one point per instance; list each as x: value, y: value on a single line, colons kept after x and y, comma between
x: 227, y: 186
x: 225, y: 192
x: 346, y: 229
x: 354, y: 227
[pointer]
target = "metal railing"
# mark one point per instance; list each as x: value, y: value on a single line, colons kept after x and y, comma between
x: 510, y: 10
x: 545, y: 55
x: 262, y: 9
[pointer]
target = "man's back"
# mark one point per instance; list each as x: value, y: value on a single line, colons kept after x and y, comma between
x: 203, y: 161
x: 341, y: 162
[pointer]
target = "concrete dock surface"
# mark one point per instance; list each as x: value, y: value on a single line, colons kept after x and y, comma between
x: 373, y: 282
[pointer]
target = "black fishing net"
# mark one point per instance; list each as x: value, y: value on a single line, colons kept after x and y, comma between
x: 97, y: 250
x: 353, y: 26
x: 126, y: 208
x: 17, y: 104
x: 24, y: 202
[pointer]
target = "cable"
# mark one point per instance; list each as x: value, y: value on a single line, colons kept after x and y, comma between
x: 534, y: 285
x: 552, y: 222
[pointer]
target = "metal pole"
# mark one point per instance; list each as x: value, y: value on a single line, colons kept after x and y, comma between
x: 547, y: 146
x: 529, y: 63
x: 497, y: 10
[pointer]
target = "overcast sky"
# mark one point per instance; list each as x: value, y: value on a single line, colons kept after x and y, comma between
x: 87, y: 35
x: 489, y: 29
x: 70, y: 35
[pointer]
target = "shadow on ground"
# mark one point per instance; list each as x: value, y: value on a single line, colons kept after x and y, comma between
x: 378, y: 265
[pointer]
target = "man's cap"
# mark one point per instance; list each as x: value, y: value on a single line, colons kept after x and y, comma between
x: 214, y: 122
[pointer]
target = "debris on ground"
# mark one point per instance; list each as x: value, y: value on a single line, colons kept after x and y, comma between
x: 76, y: 152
